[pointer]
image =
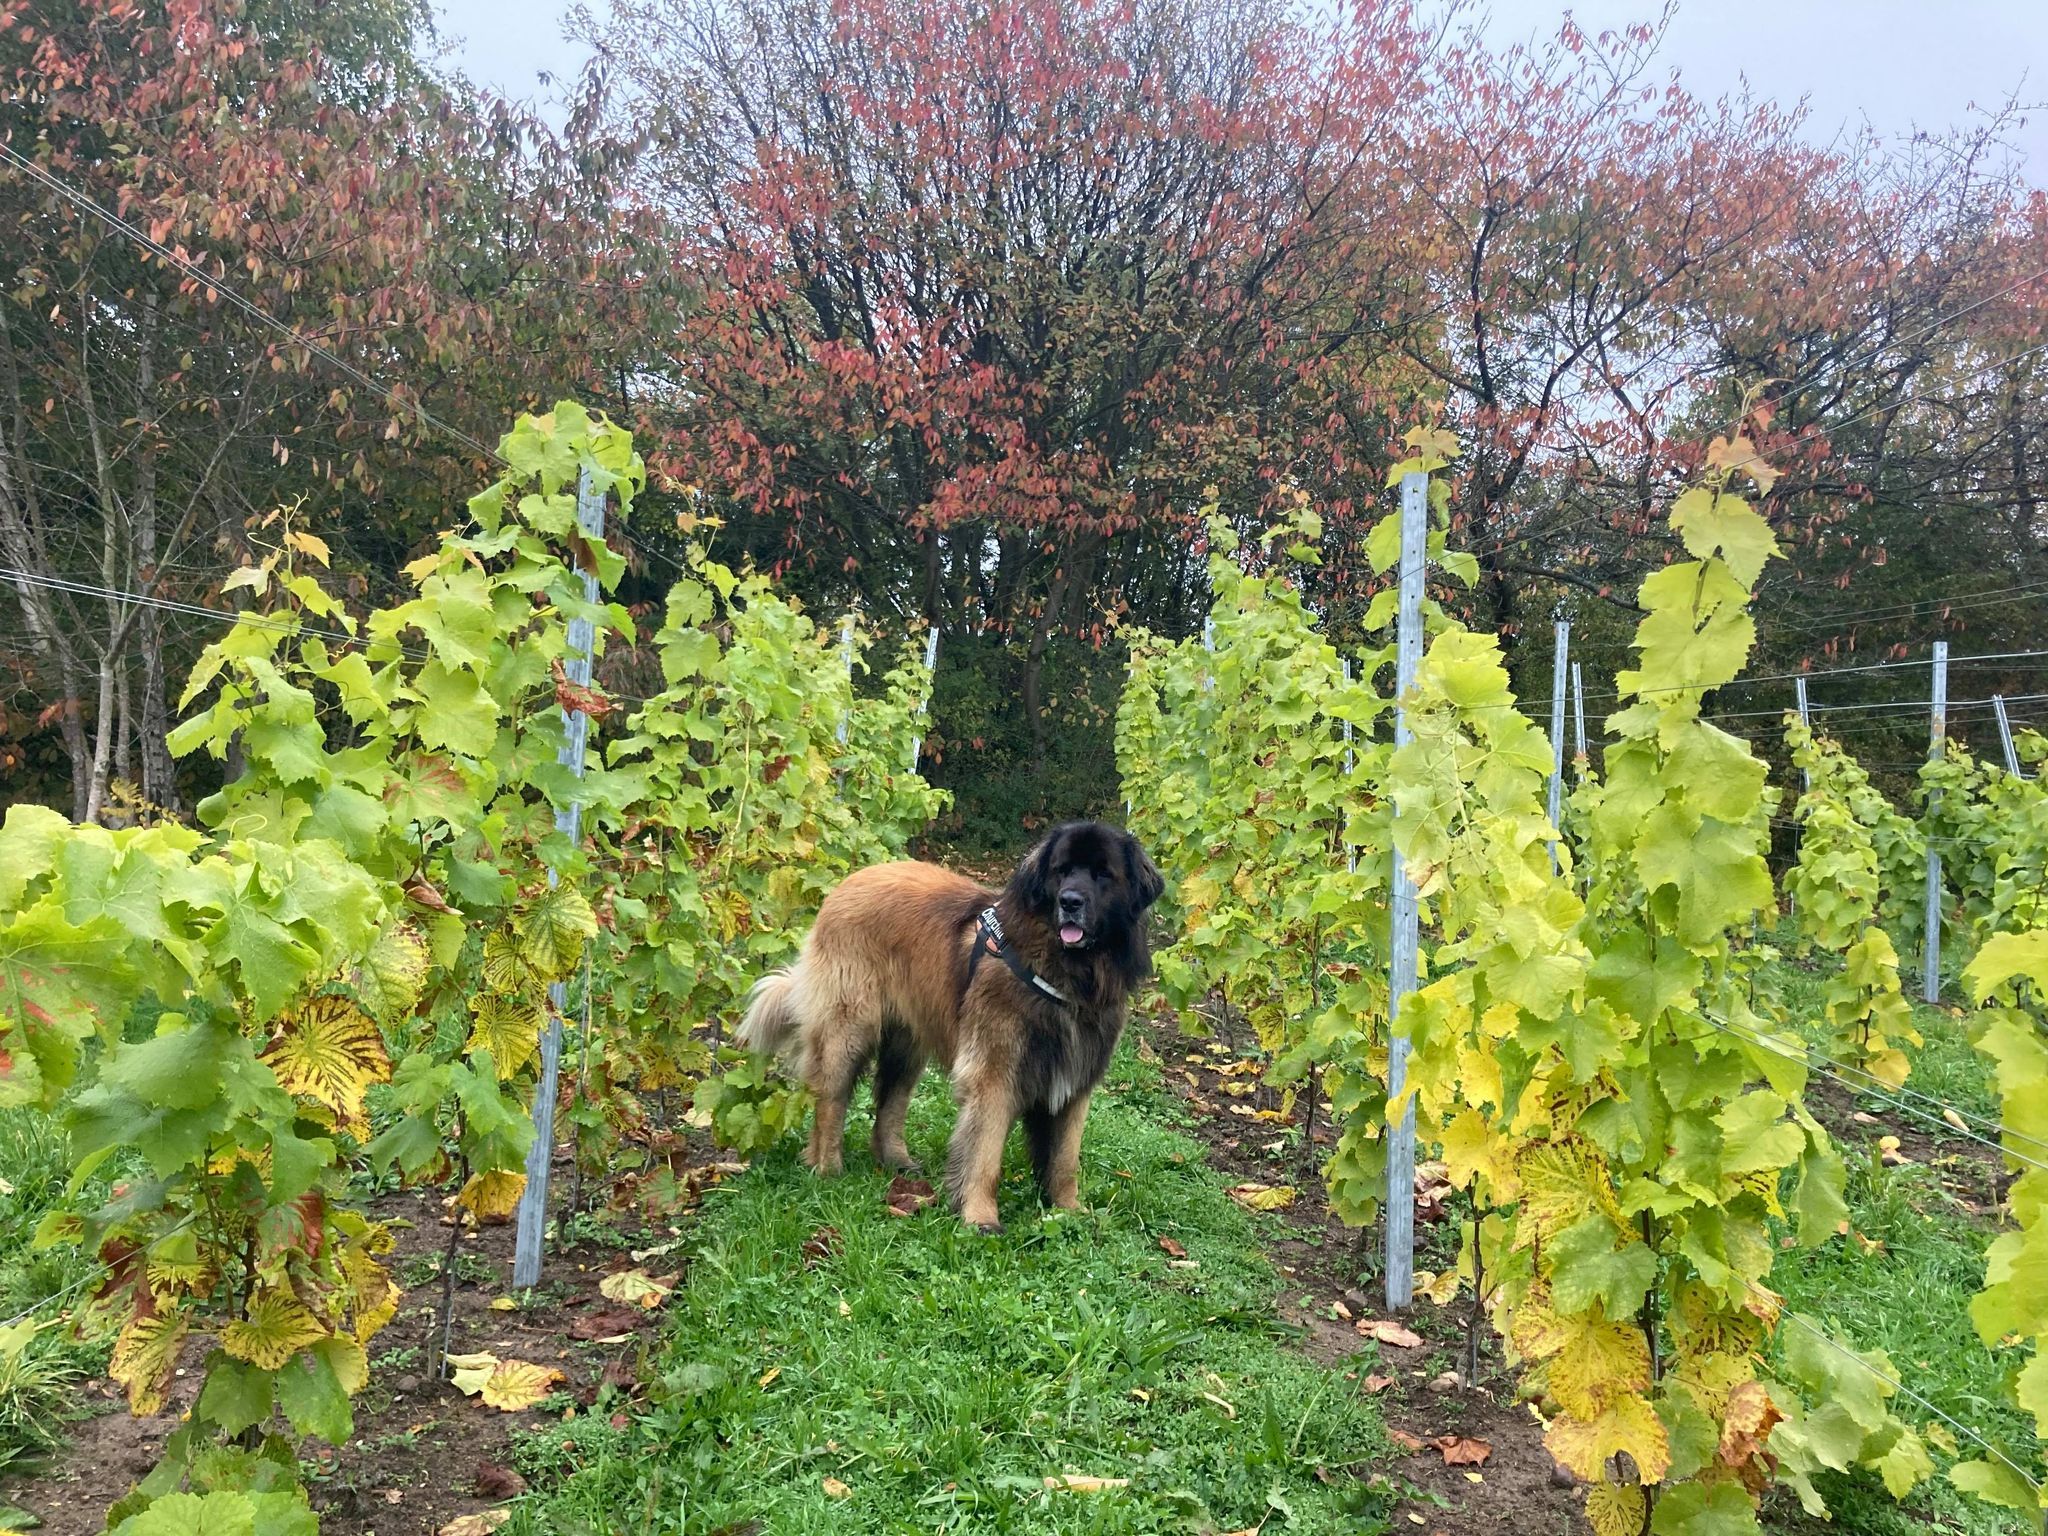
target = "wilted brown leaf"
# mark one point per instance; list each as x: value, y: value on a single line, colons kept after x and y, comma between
x: 606, y: 1323
x: 1461, y: 1450
x: 907, y: 1196
x: 1172, y: 1249
x: 495, y: 1482
x: 835, y: 1489
x: 482, y: 1523
x: 1387, y: 1331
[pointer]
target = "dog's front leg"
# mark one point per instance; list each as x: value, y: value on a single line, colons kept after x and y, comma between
x: 1059, y: 1167
x: 974, y: 1160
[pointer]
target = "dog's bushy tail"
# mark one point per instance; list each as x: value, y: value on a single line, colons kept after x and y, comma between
x: 772, y: 1013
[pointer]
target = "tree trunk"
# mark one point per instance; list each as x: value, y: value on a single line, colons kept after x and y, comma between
x: 21, y: 542
x: 152, y: 720
x: 1034, y: 661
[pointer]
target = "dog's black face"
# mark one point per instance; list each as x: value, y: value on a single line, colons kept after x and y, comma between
x: 1090, y: 883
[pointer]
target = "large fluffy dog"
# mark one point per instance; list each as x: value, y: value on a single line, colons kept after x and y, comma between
x: 1019, y: 994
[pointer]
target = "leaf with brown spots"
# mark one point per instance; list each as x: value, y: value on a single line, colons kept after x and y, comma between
x: 1172, y: 1249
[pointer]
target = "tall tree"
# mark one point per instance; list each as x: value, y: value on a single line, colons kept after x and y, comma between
x: 994, y: 291
x: 302, y: 164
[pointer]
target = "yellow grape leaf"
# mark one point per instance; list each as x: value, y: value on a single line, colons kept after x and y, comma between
x: 1441, y: 1289
x: 389, y: 978
x: 492, y: 1196
x: 145, y: 1355
x: 1434, y: 442
x: 1614, y: 1509
x: 484, y: 1521
x: 504, y: 1304
x: 276, y: 1327
x: 419, y: 570
x: 309, y: 544
x: 1629, y: 1424
x: 507, y: 1027
x: 468, y: 1373
x: 1597, y: 1362
x: 1720, y: 522
x: 637, y: 1287
x: 554, y: 929
x: 1262, y: 1197
x: 1473, y: 1148
x: 368, y: 1291
x: 504, y: 967
x: 1563, y: 1182
x: 835, y: 1489
x: 15, y: 1337
x: 329, y: 1050
x: 1536, y: 1329
x: 516, y: 1385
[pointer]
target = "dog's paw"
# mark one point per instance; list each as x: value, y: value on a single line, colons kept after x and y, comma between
x: 987, y: 1228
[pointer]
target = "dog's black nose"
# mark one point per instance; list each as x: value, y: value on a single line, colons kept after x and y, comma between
x: 1070, y: 904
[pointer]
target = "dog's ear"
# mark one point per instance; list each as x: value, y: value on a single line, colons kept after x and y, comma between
x: 1032, y: 884
x: 1143, y: 874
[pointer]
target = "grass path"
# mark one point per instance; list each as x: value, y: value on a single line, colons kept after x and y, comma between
x: 1903, y: 1282
x: 908, y: 1375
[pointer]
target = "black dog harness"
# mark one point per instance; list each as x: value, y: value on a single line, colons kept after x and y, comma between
x: 989, y: 939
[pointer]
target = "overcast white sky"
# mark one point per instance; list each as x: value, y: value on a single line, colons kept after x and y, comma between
x: 1901, y: 64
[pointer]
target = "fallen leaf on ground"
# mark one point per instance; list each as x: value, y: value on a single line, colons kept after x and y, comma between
x: 1403, y: 1439
x: 1172, y: 1249
x: 1387, y: 1331
x: 607, y: 1323
x: 637, y: 1287
x: 835, y: 1489
x: 394, y: 1496
x: 510, y: 1386
x: 1262, y: 1197
x: 1079, y: 1484
x: 768, y: 1376
x: 820, y: 1246
x: 907, y: 1196
x: 482, y: 1523
x: 1374, y: 1385
x: 1461, y: 1450
x: 495, y: 1482
x: 1339, y: 1309
x: 504, y: 1304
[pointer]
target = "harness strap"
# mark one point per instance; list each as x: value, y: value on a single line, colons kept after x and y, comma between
x: 989, y: 939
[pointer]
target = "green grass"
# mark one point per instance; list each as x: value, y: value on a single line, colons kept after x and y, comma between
x: 1910, y: 1297
x: 37, y: 1386
x: 941, y: 1376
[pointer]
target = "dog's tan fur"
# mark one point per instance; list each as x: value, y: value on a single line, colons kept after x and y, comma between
x: 885, y: 977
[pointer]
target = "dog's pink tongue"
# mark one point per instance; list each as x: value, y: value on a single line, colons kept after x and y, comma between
x: 1071, y: 934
